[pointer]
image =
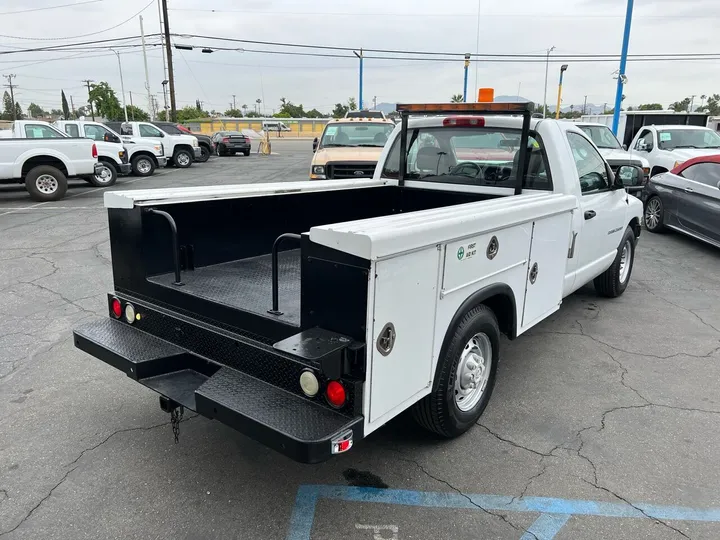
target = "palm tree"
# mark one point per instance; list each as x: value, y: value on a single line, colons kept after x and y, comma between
x: 258, y: 101
x: 702, y: 101
x: 244, y: 108
x: 456, y: 98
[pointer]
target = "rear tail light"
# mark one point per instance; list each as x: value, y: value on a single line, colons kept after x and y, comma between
x: 94, y: 151
x: 464, y: 121
x: 226, y: 139
x: 309, y: 383
x: 116, y: 308
x: 343, y: 443
x: 335, y: 393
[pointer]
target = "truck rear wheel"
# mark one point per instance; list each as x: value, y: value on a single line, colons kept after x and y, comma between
x: 46, y: 183
x: 183, y: 158
x: 613, y: 282
x: 465, y: 376
x: 143, y: 165
x: 107, y: 176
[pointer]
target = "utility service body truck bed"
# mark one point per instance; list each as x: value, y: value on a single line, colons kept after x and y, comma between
x: 308, y: 314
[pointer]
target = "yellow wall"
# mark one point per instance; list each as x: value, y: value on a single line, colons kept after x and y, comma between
x: 302, y: 127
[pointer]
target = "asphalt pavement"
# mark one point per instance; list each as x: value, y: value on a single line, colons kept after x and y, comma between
x: 605, y: 421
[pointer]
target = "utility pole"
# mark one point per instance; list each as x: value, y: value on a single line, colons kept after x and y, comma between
x: 360, y: 90
x: 147, y: 77
x: 585, y: 105
x: 547, y: 65
x: 72, y: 107
x: 465, y: 76
x: 168, y: 51
x: 122, y: 84
x: 374, y: 102
x: 92, y: 112
x: 692, y: 102
x: 233, y: 103
x: 132, y: 109
x: 11, y: 86
x: 162, y: 47
x: 622, y: 79
x: 604, y: 107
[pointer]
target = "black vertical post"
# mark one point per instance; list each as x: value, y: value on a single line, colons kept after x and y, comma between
x: 175, y: 248
x: 403, y: 147
x: 524, y: 138
x: 275, y: 272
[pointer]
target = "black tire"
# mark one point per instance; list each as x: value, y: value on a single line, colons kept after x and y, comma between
x: 182, y: 158
x: 108, y: 176
x: 613, y: 282
x: 439, y: 412
x: 205, y: 154
x: 143, y: 165
x: 231, y: 152
x: 246, y: 153
x: 220, y: 150
x: 654, y: 215
x: 40, y: 187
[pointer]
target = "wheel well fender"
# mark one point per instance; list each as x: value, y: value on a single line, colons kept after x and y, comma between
x: 635, y: 226
x: 183, y: 147
x: 500, y: 298
x: 144, y: 153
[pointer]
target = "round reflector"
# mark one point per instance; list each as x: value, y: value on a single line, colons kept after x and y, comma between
x: 309, y: 383
x: 335, y: 393
x: 116, y: 308
x: 129, y: 313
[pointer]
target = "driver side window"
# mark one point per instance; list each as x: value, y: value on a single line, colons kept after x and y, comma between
x: 592, y: 172
x: 645, y: 142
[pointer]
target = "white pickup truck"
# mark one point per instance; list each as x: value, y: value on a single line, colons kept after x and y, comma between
x: 133, y: 155
x: 180, y: 150
x: 666, y: 147
x: 363, y: 298
x: 43, y: 159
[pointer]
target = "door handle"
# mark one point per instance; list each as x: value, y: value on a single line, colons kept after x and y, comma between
x: 590, y: 214
x: 689, y: 190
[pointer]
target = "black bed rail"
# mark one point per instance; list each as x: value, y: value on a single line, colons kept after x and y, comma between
x: 174, y: 235
x: 275, y: 293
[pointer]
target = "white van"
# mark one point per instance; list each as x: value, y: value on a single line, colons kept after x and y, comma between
x: 273, y: 125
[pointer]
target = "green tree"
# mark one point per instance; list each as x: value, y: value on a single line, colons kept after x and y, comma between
x: 340, y: 110
x: 456, y: 98
x: 253, y: 114
x: 713, y: 105
x: 680, y: 106
x: 65, y: 107
x: 191, y: 113
x: 7, y: 113
x: 352, y: 104
x: 314, y: 113
x: 36, y: 111
x: 162, y: 116
x: 105, y: 101
x: 136, y: 114
x: 289, y: 110
x: 650, y: 107
x: 56, y: 113
x: 18, y: 111
x: 244, y: 108
x: 234, y: 113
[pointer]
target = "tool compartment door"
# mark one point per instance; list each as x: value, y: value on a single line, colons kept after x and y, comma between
x: 406, y: 297
x: 546, y: 268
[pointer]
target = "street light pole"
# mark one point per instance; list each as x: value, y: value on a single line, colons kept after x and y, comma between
x: 467, y: 65
x: 547, y: 66
x: 360, y: 90
x: 122, y: 84
x: 621, y: 73
x: 557, y: 109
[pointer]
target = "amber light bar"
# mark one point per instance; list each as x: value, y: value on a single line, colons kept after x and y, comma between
x: 480, y: 108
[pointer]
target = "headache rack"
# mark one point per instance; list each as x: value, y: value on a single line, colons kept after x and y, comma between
x: 506, y: 109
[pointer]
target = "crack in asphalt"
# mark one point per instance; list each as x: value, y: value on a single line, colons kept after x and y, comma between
x: 698, y: 317
x: 511, y: 443
x: 76, y: 465
x: 463, y: 494
x: 623, y: 499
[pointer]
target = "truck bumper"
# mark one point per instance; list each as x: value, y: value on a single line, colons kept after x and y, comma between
x: 304, y: 430
x: 125, y: 168
x: 162, y: 161
x: 198, y: 152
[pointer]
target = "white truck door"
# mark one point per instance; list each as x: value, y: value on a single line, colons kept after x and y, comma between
x: 602, y: 211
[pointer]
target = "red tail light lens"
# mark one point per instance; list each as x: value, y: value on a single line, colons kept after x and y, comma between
x: 94, y: 151
x: 464, y: 121
x: 335, y: 393
x: 226, y: 139
x: 116, y: 307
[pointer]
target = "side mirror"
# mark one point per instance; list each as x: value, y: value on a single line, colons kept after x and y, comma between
x: 718, y: 186
x: 641, y: 146
x: 630, y: 176
x: 315, y: 144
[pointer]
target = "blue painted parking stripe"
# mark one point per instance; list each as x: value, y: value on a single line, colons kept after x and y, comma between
x: 545, y: 527
x: 558, y: 509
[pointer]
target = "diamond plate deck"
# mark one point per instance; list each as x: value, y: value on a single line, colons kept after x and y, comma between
x: 245, y: 284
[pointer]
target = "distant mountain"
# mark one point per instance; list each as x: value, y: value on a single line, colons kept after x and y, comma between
x: 385, y: 107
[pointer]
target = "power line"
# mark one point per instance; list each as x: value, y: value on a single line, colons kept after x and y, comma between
x: 50, y: 7
x: 81, y: 35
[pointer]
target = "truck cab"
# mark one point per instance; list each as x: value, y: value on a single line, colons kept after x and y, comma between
x: 665, y: 147
x: 180, y: 150
x: 349, y: 148
x: 371, y: 296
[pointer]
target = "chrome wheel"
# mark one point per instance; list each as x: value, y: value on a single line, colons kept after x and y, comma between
x: 104, y: 176
x: 144, y: 166
x: 625, y: 261
x: 182, y: 159
x: 652, y: 213
x: 46, y: 183
x: 473, y: 372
